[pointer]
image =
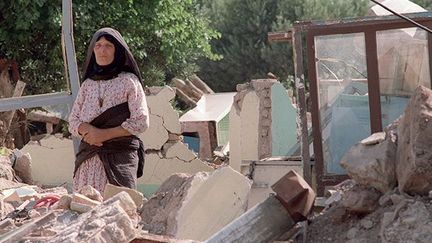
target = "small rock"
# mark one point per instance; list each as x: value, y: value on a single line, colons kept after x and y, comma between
x: 385, y: 200
x: 351, y: 234
x: 375, y: 138
x: 396, y: 199
x: 91, y: 193
x: 366, y: 223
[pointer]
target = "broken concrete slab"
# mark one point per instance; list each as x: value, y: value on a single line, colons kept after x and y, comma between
x: 112, y: 190
x: 414, y: 166
x: 178, y: 150
x: 157, y: 168
x: 159, y: 105
x: 186, y: 200
x: 372, y: 162
x: 52, y: 160
x: 156, y: 136
x: 263, y: 223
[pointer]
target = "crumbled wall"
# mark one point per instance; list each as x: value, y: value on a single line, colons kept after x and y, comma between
x: 165, y: 152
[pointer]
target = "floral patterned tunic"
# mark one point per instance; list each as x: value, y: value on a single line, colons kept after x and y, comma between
x: 94, y: 97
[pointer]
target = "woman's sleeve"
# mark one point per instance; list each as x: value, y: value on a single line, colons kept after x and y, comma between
x: 74, y: 116
x: 139, y: 118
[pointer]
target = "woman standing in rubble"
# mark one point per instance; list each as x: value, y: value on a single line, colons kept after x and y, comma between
x: 108, y: 114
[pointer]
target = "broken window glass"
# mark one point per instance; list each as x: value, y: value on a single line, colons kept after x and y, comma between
x: 343, y: 95
x: 403, y: 63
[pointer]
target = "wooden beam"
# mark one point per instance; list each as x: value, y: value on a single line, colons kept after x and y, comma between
x: 201, y: 84
x: 301, y: 103
x: 280, y: 36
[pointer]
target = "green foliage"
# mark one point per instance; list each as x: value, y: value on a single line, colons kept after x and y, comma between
x: 166, y: 36
x: 30, y: 34
x: 427, y: 4
x: 244, y: 25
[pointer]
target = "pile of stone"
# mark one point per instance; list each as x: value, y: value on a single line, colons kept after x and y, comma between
x: 389, y: 196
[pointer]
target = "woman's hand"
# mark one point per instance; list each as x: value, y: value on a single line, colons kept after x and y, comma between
x: 92, y: 135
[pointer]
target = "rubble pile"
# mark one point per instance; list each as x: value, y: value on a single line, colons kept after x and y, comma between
x: 389, y: 198
x: 179, y: 210
x: 197, y: 206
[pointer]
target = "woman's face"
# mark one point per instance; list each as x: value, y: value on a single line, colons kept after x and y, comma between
x: 104, y: 52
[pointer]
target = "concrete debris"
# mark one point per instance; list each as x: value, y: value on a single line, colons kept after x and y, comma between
x: 165, y: 152
x: 389, y: 200
x: 361, y: 199
x: 112, y: 190
x: 81, y: 199
x: 275, y: 216
x: 373, y: 163
x: 108, y: 222
x: 6, y: 171
x: 51, y: 160
x: 180, y: 208
x: 64, y: 202
x: 91, y: 193
x: 22, y: 166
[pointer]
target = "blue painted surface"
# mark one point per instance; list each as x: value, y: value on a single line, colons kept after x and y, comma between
x: 350, y: 123
x: 193, y: 143
x: 284, y: 134
x: 147, y: 189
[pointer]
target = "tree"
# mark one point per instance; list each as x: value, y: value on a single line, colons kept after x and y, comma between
x: 244, y: 25
x: 166, y: 36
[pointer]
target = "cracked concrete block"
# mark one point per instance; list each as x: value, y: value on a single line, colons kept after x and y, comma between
x: 180, y: 208
x: 156, y: 135
x: 171, y: 121
x: 167, y: 93
x: 160, y: 105
x: 157, y: 169
x: 178, y: 150
x: 51, y: 160
x: 112, y: 190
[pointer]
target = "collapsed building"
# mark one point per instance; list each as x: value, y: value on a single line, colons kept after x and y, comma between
x: 362, y: 75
